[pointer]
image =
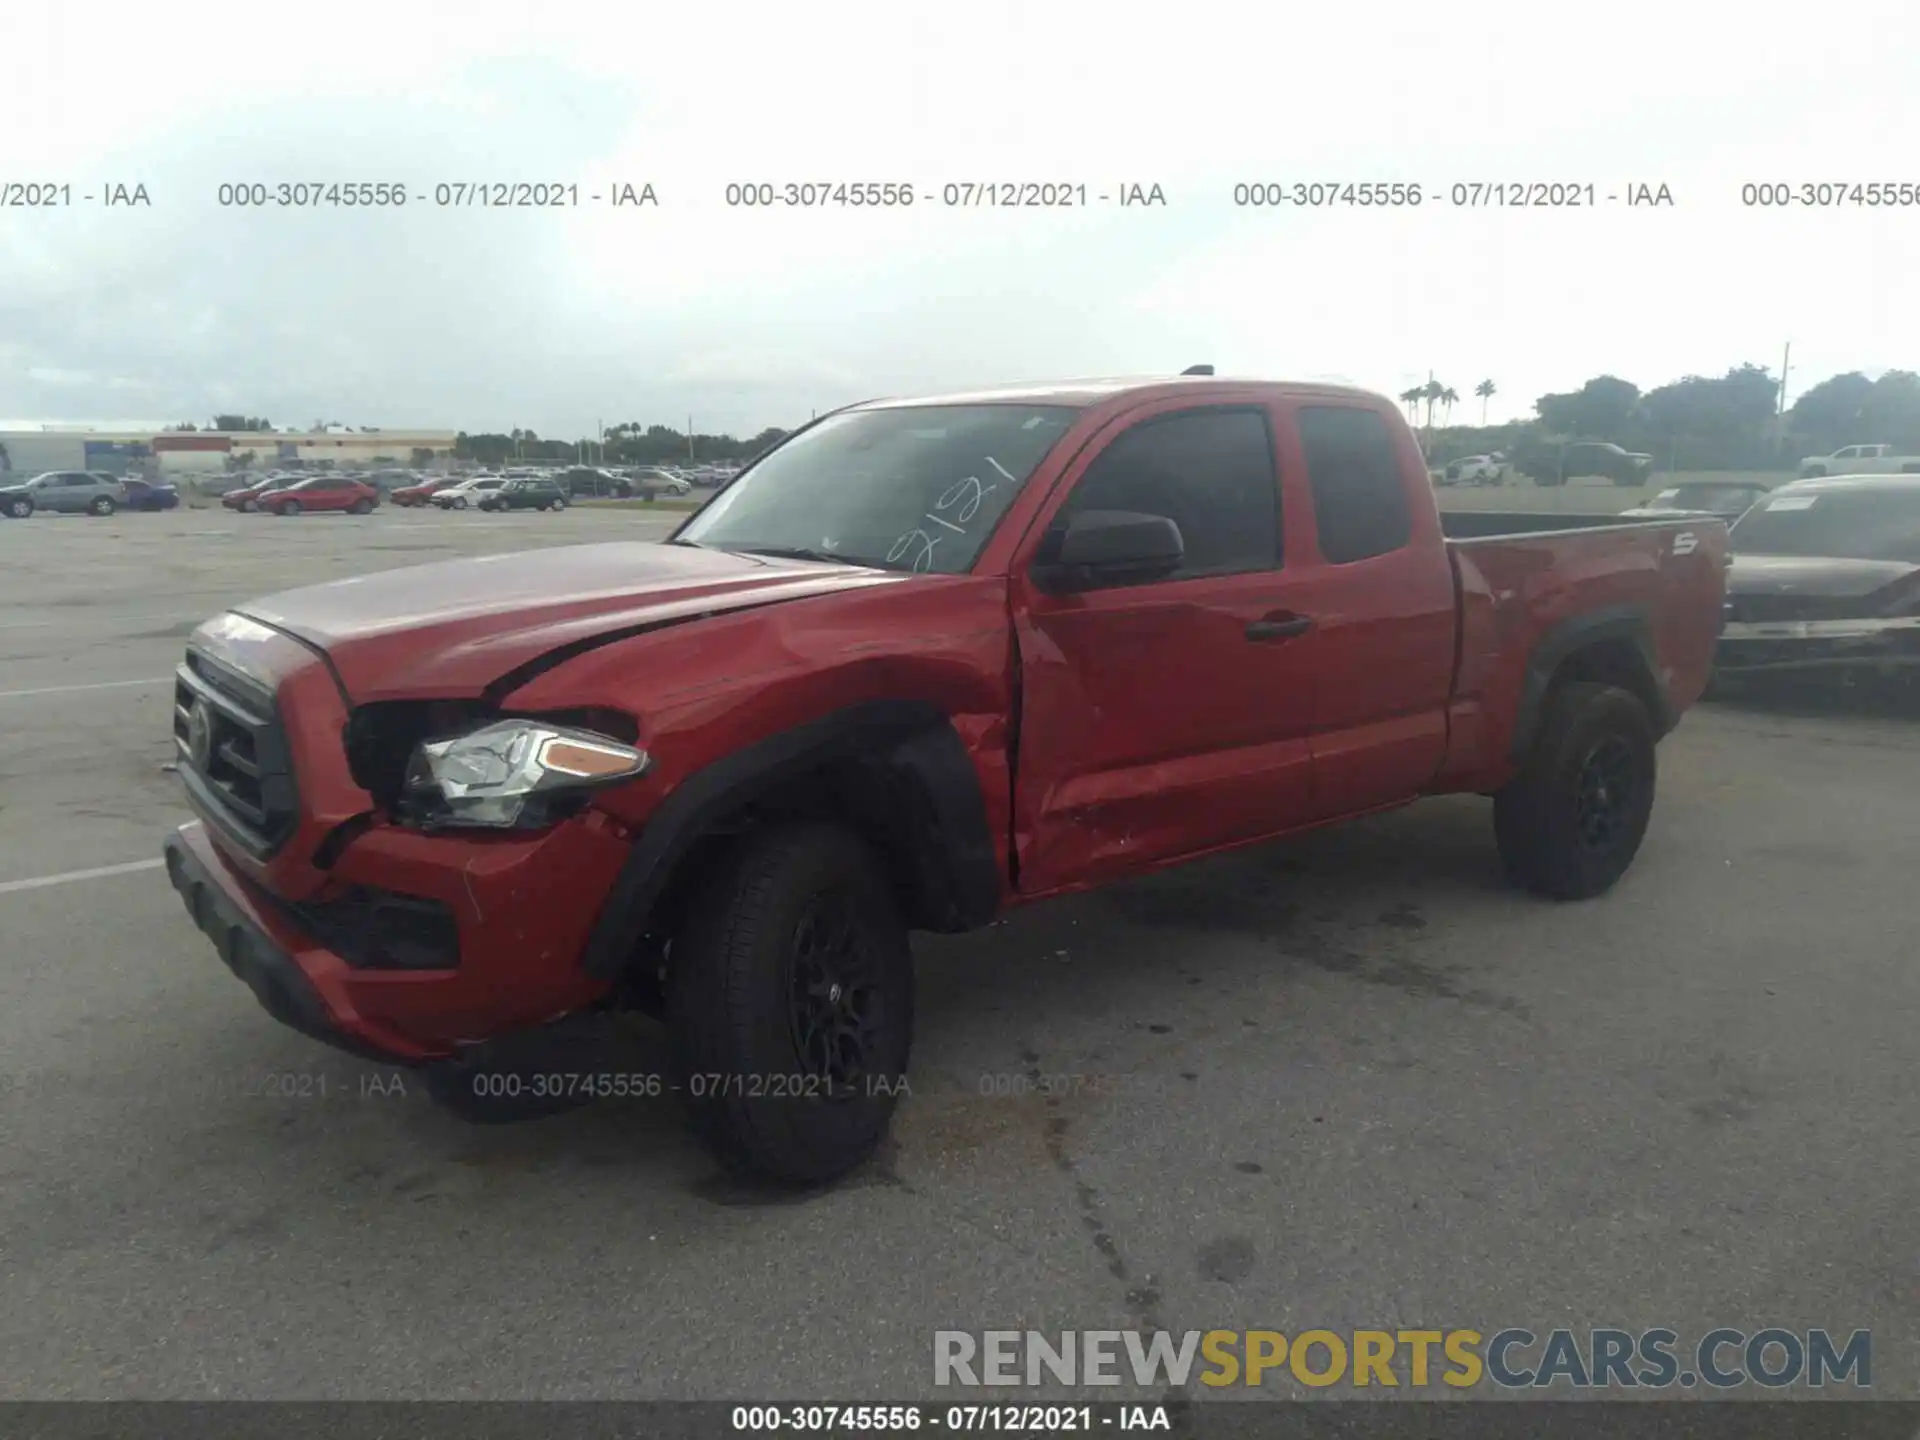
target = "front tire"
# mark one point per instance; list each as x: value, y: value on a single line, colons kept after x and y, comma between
x: 19, y: 509
x: 291, y: 507
x: 791, y: 1005
x: 1569, y: 824
x: 460, y: 504
x: 360, y: 507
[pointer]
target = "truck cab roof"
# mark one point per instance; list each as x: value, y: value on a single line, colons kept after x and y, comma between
x: 1083, y: 394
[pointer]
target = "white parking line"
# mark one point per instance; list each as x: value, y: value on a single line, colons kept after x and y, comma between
x: 71, y: 689
x: 99, y: 872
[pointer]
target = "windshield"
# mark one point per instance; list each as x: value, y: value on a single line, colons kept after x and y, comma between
x: 918, y: 488
x: 1845, y: 524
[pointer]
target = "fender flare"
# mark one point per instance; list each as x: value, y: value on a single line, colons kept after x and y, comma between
x: 1559, y: 642
x: 941, y: 840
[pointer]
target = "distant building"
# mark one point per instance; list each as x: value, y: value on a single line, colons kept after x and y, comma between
x: 31, y: 451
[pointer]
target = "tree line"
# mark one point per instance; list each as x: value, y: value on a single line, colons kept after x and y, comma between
x: 1698, y: 422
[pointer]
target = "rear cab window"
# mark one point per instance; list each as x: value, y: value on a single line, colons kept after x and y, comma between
x: 1360, y: 503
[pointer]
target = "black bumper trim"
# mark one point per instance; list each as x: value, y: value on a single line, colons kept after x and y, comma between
x: 276, y: 980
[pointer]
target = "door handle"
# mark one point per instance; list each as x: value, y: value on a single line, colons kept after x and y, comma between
x: 1279, y: 627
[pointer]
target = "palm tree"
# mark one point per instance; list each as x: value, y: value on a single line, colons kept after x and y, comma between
x: 1411, y: 398
x: 1431, y: 393
x: 1485, y: 390
x: 1449, y: 397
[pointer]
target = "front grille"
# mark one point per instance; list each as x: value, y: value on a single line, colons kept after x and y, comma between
x: 1765, y: 609
x: 234, y: 757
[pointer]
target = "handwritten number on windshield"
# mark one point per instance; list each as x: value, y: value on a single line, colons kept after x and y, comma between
x: 951, y: 513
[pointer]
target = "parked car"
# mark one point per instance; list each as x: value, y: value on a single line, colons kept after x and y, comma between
x: 322, y: 492
x: 527, y: 494
x: 467, y: 493
x: 248, y: 497
x: 1475, y: 470
x: 410, y: 496
x: 71, y: 492
x: 1860, y: 460
x: 1729, y: 499
x: 1552, y: 464
x: 1825, y: 579
x: 651, y: 484
x: 585, y: 482
x: 150, y: 495
x: 722, y: 778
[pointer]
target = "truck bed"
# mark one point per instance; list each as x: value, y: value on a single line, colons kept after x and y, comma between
x: 1531, y: 589
x: 1491, y: 524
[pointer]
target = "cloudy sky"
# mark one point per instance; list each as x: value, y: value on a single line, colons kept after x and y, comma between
x: 475, y: 318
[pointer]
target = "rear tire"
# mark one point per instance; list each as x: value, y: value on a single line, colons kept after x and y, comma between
x: 460, y: 504
x: 291, y: 507
x: 102, y: 506
x: 791, y: 1005
x: 1569, y: 824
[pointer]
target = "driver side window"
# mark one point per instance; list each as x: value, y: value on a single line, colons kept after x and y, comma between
x: 1211, y: 472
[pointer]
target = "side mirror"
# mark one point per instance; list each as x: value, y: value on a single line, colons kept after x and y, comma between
x: 1100, y: 548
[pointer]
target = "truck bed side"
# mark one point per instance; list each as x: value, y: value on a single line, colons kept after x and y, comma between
x: 1633, y: 603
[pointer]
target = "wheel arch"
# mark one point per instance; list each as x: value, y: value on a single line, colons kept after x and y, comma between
x: 1612, y: 646
x: 897, y: 772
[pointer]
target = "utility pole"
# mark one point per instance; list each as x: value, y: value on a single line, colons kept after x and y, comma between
x: 1785, y: 358
x: 689, y: 437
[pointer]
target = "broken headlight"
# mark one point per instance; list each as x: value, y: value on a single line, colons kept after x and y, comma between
x: 512, y: 774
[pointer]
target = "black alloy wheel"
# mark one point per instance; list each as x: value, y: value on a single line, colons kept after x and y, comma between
x: 1571, y: 820
x: 1606, y: 794
x: 835, y: 1007
x: 790, y: 1003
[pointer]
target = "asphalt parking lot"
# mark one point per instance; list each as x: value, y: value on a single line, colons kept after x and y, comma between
x: 1349, y: 1081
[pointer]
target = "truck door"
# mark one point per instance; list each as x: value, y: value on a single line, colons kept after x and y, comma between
x: 1163, y: 718
x: 1383, y: 605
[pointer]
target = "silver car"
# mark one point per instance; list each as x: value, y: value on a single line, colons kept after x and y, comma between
x: 76, y: 492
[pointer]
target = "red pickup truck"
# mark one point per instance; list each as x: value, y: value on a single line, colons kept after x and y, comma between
x: 921, y: 662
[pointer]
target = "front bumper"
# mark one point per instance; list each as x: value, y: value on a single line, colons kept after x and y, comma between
x: 267, y: 955
x: 524, y: 910
x: 1783, y: 646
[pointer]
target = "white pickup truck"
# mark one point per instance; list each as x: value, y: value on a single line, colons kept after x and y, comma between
x: 1860, y: 460
x: 1476, y: 470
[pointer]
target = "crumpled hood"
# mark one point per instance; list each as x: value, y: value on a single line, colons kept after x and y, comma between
x: 1823, y: 575
x: 452, y: 628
